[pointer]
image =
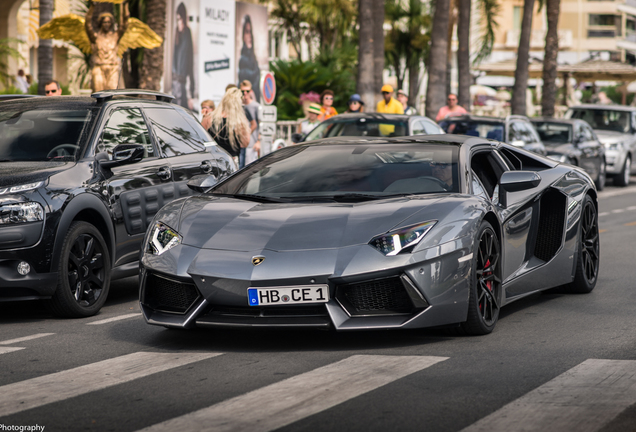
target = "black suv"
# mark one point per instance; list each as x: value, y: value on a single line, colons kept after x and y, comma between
x: 80, y: 179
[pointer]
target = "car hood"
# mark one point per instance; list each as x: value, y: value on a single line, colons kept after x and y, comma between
x: 18, y: 173
x: 238, y: 225
x: 611, y: 137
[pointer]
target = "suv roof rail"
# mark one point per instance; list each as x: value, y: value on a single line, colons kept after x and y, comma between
x: 106, y: 95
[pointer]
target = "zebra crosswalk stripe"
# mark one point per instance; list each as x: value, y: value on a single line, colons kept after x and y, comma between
x: 58, y: 386
x: 295, y: 398
x: 25, y: 338
x: 585, y: 398
x: 5, y: 350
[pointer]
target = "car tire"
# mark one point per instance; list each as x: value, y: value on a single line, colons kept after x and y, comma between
x: 601, y: 178
x: 84, y: 273
x: 622, y: 179
x: 588, y: 253
x: 485, y: 283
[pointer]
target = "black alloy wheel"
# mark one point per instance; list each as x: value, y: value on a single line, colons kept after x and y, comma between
x: 84, y: 273
x: 602, y: 177
x: 485, y: 295
x: 622, y: 179
x: 588, y: 257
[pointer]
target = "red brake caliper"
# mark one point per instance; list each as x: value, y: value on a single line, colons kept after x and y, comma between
x: 489, y: 283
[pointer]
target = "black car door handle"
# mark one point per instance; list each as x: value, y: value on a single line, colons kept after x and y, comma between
x: 206, y: 167
x: 164, y: 173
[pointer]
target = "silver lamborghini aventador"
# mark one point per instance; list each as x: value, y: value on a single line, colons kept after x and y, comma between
x: 362, y: 233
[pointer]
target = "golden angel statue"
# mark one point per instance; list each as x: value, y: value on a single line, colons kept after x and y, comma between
x: 106, y: 45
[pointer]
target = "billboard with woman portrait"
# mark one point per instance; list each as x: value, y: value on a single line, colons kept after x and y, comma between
x: 252, y: 53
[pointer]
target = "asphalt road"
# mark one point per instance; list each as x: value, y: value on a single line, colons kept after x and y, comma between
x: 554, y: 363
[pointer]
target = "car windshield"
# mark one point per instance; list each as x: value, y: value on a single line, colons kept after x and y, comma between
x: 554, y: 132
x: 477, y: 128
x: 355, y: 172
x: 603, y: 119
x: 359, y: 127
x: 42, y: 134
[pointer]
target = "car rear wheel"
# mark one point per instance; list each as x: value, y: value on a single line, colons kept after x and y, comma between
x: 623, y: 178
x: 485, y: 290
x: 588, y: 256
x: 84, y: 273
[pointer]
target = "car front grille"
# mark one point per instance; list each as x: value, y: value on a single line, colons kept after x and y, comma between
x: 385, y: 296
x: 169, y: 295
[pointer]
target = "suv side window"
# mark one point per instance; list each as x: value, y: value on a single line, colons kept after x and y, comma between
x: 175, y: 136
x: 515, y: 133
x: 587, y: 134
x: 418, y: 128
x: 430, y: 127
x: 125, y: 126
x: 529, y: 133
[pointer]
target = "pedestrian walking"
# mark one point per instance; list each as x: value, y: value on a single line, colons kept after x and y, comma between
x: 207, y: 107
x: 355, y: 104
x: 21, y: 82
x: 253, y: 150
x: 450, y: 109
x: 230, y: 128
x: 388, y: 105
x: 307, y: 125
x: 327, y: 111
x: 403, y: 98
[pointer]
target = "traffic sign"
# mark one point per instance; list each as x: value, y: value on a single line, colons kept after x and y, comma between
x: 268, y: 87
x: 268, y: 129
x: 267, y: 113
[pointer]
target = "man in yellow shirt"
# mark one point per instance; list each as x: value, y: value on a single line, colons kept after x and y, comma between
x: 389, y: 105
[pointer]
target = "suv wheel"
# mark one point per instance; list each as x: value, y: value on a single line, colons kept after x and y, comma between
x: 84, y: 273
x: 622, y: 179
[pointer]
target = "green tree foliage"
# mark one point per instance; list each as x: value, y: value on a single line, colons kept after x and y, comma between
x: 295, y: 77
x: 8, y: 50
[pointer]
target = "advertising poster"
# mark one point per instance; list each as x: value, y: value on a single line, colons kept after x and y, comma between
x: 216, y: 60
x: 252, y: 54
x: 181, y: 52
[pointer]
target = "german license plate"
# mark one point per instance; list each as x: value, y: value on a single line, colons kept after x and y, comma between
x: 288, y: 295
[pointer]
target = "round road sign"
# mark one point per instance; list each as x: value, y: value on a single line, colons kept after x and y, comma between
x: 268, y: 88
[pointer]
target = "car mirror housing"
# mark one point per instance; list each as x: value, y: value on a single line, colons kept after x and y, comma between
x: 515, y: 181
x: 297, y: 137
x: 124, y: 154
x: 202, y: 183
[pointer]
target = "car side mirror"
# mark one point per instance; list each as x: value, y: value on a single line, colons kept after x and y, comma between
x: 515, y: 181
x: 297, y: 137
x: 202, y: 183
x: 124, y: 154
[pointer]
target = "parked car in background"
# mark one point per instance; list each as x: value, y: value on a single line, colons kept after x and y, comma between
x: 80, y: 180
x: 615, y: 127
x: 372, y: 125
x: 515, y: 130
x: 573, y: 142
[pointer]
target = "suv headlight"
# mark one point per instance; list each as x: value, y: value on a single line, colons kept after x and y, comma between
x: 394, y: 242
x: 614, y: 146
x: 162, y: 238
x: 21, y: 213
x: 20, y: 188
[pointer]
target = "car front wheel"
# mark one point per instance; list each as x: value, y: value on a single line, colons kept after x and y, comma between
x: 485, y: 290
x: 622, y: 179
x: 588, y: 256
x: 84, y: 273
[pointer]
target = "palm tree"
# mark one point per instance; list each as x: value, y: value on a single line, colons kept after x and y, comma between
x: 438, y: 57
x: 518, y: 103
x: 152, y: 64
x: 553, y: 8
x: 366, y: 77
x: 330, y: 19
x: 8, y: 50
x: 464, y: 78
x: 378, y: 46
x: 45, y: 48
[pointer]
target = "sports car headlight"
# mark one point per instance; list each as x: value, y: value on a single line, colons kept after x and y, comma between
x: 20, y: 188
x: 394, y: 242
x: 162, y: 238
x: 21, y: 213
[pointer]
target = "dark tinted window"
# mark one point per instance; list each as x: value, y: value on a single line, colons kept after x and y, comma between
x: 478, y: 128
x: 125, y: 126
x: 358, y: 127
x: 328, y: 171
x: 200, y: 132
x: 603, y: 118
x: 42, y: 134
x: 174, y: 134
x: 554, y: 132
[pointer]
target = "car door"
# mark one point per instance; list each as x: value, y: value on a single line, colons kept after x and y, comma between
x: 136, y: 191
x: 590, y: 148
x: 182, y: 146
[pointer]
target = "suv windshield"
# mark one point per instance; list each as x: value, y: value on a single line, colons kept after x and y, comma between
x: 42, y: 134
x: 554, y: 132
x: 359, y: 127
x: 357, y: 172
x: 603, y: 118
x: 478, y: 128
